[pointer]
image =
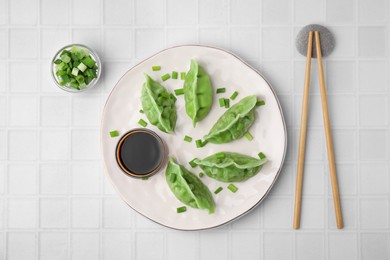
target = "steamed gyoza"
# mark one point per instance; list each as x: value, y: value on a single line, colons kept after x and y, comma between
x: 188, y: 188
x: 230, y: 167
x: 158, y: 105
x: 234, y: 123
x: 198, y: 93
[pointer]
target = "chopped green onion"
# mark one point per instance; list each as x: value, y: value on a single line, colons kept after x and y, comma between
x: 182, y: 75
x: 261, y: 155
x: 165, y: 95
x: 248, y: 136
x: 221, y: 90
x: 141, y: 111
x: 156, y: 68
x: 188, y: 138
x: 220, y: 155
x: 234, y: 95
x: 181, y: 209
x: 174, y: 74
x: 260, y: 103
x: 82, y: 67
x: 232, y: 188
x: 192, y: 163
x: 88, y: 61
x: 114, y: 133
x: 198, y: 143
x: 173, y: 97
x: 179, y: 91
x: 218, y: 190
x: 66, y: 58
x: 222, y: 102
x: 201, y: 174
x: 172, y: 178
x: 240, y: 126
x: 142, y: 123
x: 75, y: 71
x: 57, y: 61
x: 145, y: 178
x: 227, y: 103
x: 204, y: 143
x: 166, y: 77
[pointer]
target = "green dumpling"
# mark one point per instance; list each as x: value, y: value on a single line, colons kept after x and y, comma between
x: 234, y: 123
x: 198, y: 93
x: 158, y: 105
x: 230, y: 167
x: 188, y: 188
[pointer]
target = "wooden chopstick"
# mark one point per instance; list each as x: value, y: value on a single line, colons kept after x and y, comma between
x: 302, y: 135
x: 328, y: 135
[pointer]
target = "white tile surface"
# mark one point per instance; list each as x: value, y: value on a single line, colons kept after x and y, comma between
x: 54, y: 213
x: 29, y: 241
x: 53, y: 245
x: 54, y: 199
x: 22, y: 179
x: 85, y: 245
x: 85, y: 213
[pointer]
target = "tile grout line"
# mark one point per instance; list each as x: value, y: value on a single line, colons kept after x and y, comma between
x: 357, y: 137
x: 38, y: 131
x: 101, y: 198
x: 68, y: 167
x: 6, y: 164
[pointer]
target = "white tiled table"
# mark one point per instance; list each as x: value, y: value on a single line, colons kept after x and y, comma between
x: 54, y: 200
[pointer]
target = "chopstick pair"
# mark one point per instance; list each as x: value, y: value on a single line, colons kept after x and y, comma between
x: 328, y: 135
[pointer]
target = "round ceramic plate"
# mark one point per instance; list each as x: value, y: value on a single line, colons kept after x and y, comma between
x: 152, y: 198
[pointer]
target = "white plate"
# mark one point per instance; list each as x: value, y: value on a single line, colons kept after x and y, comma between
x: 152, y: 198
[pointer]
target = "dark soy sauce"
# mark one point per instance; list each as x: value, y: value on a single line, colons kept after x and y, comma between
x: 140, y: 153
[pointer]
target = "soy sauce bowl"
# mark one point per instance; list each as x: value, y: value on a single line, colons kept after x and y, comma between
x: 141, y: 153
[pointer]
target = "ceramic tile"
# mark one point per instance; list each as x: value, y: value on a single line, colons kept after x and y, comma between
x: 22, y: 213
x: 22, y: 145
x: 213, y: 13
x: 246, y: 245
x: 22, y: 179
x: 85, y: 246
x: 18, y: 48
x: 118, y: 12
x: 372, y: 42
x: 54, y: 111
x: 342, y: 246
x: 23, y: 111
x: 179, y: 244
x: 48, y: 17
x: 53, y: 245
x: 23, y: 12
x: 92, y: 17
x: 340, y: 12
x: 118, y: 246
x: 181, y: 12
x: 53, y: 179
x: 116, y: 214
x: 310, y: 246
x: 273, y: 242
x: 375, y: 246
x: 54, y: 213
x: 276, y: 12
x: 85, y: 213
x: 15, y: 239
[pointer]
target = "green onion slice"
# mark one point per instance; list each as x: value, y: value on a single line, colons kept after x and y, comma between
x: 142, y: 123
x: 114, y: 133
x: 232, y: 188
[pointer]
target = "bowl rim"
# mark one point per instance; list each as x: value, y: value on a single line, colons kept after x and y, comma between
x: 94, y: 55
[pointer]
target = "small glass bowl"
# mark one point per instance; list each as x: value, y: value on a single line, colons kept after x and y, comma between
x: 94, y: 57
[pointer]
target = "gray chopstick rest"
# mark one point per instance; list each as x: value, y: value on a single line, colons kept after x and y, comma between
x: 326, y: 37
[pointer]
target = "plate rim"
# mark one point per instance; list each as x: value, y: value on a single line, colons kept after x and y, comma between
x: 246, y: 64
